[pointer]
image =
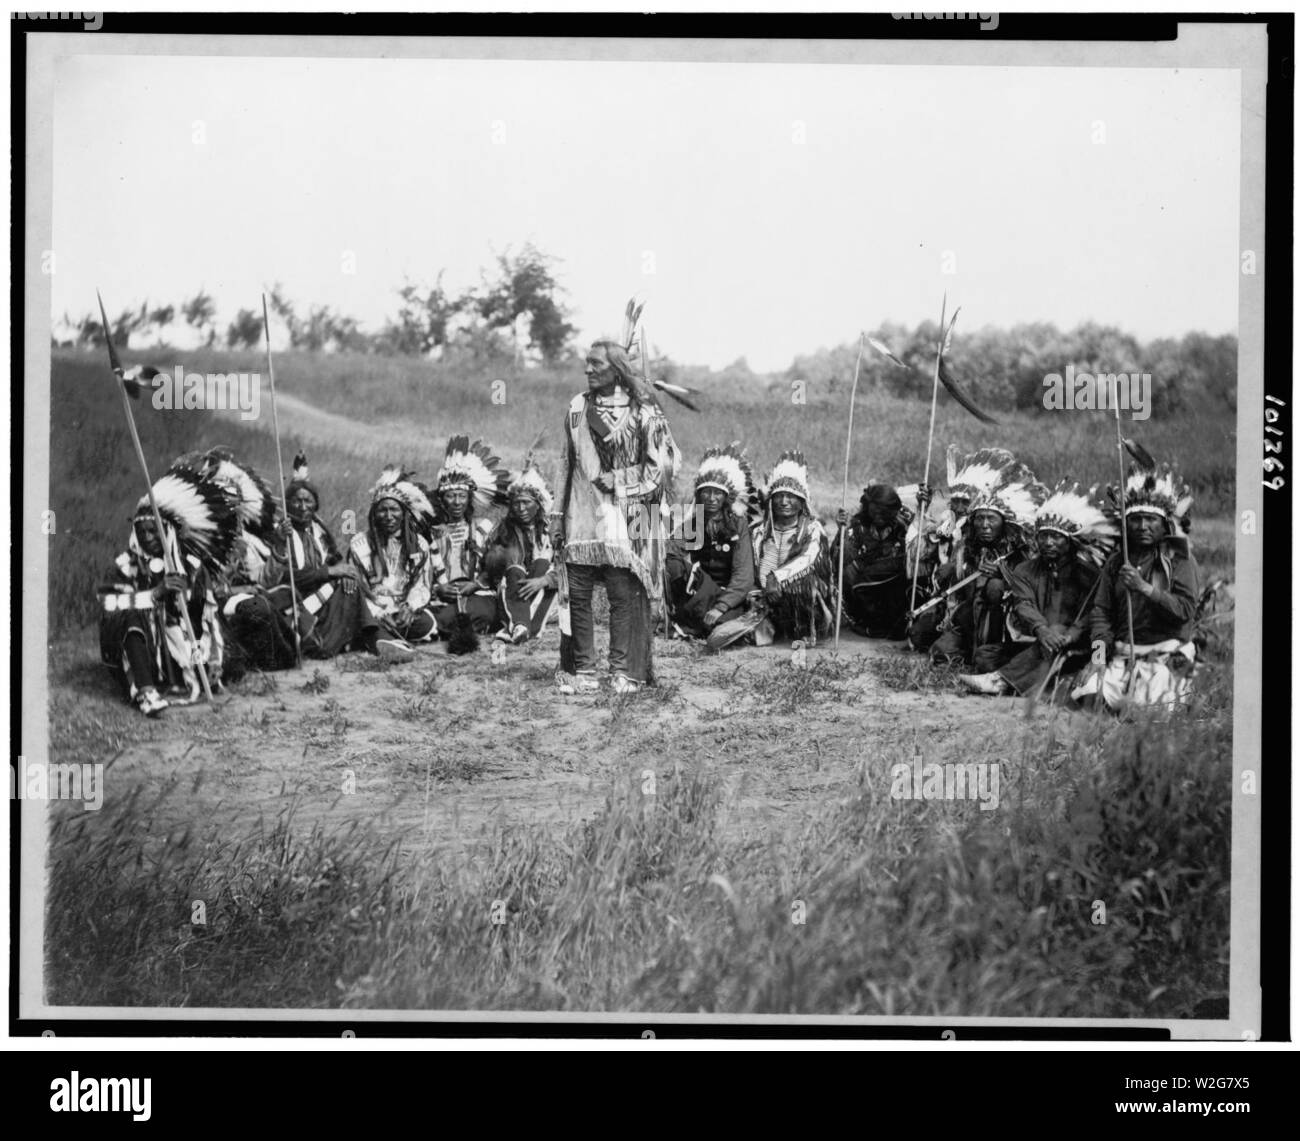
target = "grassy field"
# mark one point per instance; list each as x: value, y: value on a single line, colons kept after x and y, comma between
x: 501, y: 850
x: 95, y: 481
x: 449, y: 835
x: 509, y: 408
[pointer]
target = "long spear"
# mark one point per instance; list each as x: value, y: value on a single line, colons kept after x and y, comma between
x: 663, y: 566
x: 182, y: 606
x: 929, y: 448
x: 844, y: 491
x: 1123, y: 531
x: 279, y: 466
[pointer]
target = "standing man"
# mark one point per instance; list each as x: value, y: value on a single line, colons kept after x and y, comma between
x: 618, y: 464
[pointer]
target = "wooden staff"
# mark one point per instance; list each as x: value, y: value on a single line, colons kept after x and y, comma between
x: 1123, y: 532
x: 929, y: 448
x: 658, y: 522
x: 182, y: 602
x: 279, y: 466
x: 844, y: 491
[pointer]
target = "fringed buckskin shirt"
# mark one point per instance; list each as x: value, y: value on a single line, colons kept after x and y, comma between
x: 796, y: 555
x: 630, y: 445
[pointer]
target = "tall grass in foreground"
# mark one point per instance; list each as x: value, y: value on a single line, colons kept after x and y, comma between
x: 1097, y: 888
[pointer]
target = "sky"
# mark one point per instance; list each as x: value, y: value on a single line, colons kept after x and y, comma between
x: 761, y: 210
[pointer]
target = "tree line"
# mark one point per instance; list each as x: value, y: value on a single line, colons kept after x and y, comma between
x: 516, y: 311
x: 1005, y: 368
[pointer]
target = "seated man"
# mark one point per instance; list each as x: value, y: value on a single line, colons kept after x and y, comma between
x: 332, y: 610
x: 470, y: 483
x: 710, y: 558
x: 395, y: 561
x: 967, y: 475
x: 256, y: 634
x: 991, y: 543
x: 1160, y: 582
x: 1051, y: 596
x: 791, y: 556
x: 875, y: 563
x: 518, y: 560
x: 144, y: 638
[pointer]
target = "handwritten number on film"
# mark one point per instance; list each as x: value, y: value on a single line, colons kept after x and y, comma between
x: 1273, y: 446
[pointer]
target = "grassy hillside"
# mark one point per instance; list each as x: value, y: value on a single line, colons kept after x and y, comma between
x: 509, y: 408
x: 95, y: 482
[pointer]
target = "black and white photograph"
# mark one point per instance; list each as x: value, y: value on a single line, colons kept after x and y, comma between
x: 647, y: 531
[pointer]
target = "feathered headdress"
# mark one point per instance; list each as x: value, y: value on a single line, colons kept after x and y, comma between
x: 1157, y: 490
x: 1074, y: 514
x: 530, y: 482
x: 200, y: 513
x: 301, y: 479
x: 253, y: 499
x: 1016, y: 502
x: 728, y: 469
x: 393, y: 483
x: 983, y: 470
x: 639, y: 359
x: 790, y: 474
x: 473, y: 466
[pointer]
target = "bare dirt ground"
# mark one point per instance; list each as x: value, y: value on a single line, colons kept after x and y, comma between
x: 444, y: 751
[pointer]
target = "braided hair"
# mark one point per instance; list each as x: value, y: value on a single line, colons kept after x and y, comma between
x: 407, y: 533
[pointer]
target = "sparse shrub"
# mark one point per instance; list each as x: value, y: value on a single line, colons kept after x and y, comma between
x: 317, y: 684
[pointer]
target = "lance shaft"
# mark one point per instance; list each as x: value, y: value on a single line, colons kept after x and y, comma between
x: 1123, y: 533
x: 182, y: 601
x: 844, y: 491
x: 657, y: 521
x: 929, y: 448
x: 279, y: 466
